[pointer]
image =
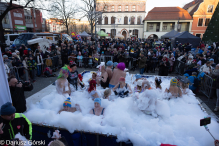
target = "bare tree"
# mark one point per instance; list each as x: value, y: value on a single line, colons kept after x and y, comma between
x: 63, y: 10
x: 88, y: 11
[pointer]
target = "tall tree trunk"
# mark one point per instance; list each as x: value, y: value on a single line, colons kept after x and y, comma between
x: 2, y: 38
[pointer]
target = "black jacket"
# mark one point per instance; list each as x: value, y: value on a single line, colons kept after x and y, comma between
x: 217, y: 82
x: 20, y: 124
x: 18, y: 99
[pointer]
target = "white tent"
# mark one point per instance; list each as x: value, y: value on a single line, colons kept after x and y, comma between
x: 118, y: 35
x: 43, y: 43
x: 5, y: 95
x: 84, y: 34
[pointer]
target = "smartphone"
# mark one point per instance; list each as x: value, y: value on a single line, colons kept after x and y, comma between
x: 205, y: 121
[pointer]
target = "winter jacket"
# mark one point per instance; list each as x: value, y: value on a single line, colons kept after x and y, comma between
x: 217, y: 82
x: 192, y: 79
x: 142, y: 62
x: 18, y: 98
x: 32, y: 64
x: 205, y: 69
x: 20, y: 124
x: 39, y: 60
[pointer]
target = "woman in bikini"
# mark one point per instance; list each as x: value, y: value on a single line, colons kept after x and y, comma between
x: 97, y: 110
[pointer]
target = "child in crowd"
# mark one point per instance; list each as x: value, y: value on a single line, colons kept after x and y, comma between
x: 32, y: 65
x: 67, y: 106
x: 106, y: 94
x: 80, y: 59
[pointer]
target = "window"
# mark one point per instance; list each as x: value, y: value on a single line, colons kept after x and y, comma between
x: 139, y: 20
x: 198, y: 35
x: 106, y: 20
x: 113, y: 20
x: 119, y: 8
x: 13, y: 37
x: 165, y: 27
x: 133, y: 8
x: 5, y: 19
x: 200, y: 21
x: 105, y: 8
x: 210, y: 8
x: 99, y: 20
x: 207, y: 21
x: 133, y: 20
x: 151, y: 26
x: 125, y: 20
x: 112, y: 8
x: 126, y: 8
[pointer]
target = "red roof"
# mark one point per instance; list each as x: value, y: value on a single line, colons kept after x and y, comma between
x: 168, y: 13
x: 194, y: 3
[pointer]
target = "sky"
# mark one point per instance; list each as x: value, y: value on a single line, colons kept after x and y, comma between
x: 150, y: 4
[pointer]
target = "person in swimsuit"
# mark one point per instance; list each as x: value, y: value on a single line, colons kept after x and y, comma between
x: 139, y: 88
x: 97, y: 110
x: 157, y: 83
x: 122, y: 89
x: 173, y: 89
x: 104, y: 82
x: 67, y: 106
x: 107, y: 93
x: 146, y: 85
x: 92, y: 89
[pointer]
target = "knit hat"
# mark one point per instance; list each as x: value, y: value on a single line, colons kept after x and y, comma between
x: 115, y: 64
x: 121, y: 66
x: 16, y: 51
x: 67, y: 102
x: 187, y: 75
x: 137, y: 76
x: 5, y: 56
x: 139, y: 83
x: 6, y: 49
x: 101, y: 64
x: 98, y: 100
x: 109, y: 63
x: 211, y: 59
x: 14, y: 54
x: 173, y: 81
x: 7, y: 109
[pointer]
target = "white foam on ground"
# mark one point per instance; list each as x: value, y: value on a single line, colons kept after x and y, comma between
x: 178, y: 125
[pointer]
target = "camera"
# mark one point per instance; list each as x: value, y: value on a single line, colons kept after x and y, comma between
x: 205, y: 121
x: 24, y: 83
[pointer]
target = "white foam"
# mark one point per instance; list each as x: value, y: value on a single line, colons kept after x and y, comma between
x: 177, y: 123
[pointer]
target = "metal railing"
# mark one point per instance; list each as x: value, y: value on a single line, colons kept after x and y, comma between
x: 207, y: 86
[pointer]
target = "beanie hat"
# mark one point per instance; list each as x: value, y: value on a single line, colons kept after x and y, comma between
x: 211, y: 59
x: 7, y: 109
x: 5, y: 56
x: 67, y: 102
x: 137, y: 76
x: 115, y: 64
x: 109, y: 63
x: 98, y: 100
x: 173, y: 81
x: 121, y: 66
x: 14, y: 54
x: 186, y: 74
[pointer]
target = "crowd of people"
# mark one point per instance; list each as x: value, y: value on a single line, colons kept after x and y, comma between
x: 111, y: 57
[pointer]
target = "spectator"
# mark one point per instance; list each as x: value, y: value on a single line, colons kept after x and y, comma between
x: 25, y: 52
x: 25, y: 64
x: 139, y: 87
x: 48, y: 61
x: 206, y: 68
x: 97, y: 110
x: 142, y: 62
x: 64, y: 55
x: 164, y: 66
x: 39, y: 61
x: 171, y: 61
x: 32, y: 66
x: 7, y: 70
x: 14, y: 123
x: 7, y: 52
x: 80, y: 59
x: 215, y: 72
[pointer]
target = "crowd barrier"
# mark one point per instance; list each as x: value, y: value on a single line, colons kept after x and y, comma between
x: 180, y: 67
x: 207, y: 86
x: 77, y: 138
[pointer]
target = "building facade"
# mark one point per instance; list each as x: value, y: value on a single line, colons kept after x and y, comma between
x: 161, y: 20
x: 21, y: 20
x: 201, y: 11
x: 121, y: 16
x: 55, y: 25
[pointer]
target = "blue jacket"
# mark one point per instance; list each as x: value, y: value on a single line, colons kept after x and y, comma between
x: 192, y: 79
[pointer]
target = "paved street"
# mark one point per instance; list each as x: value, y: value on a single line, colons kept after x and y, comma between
x: 42, y: 82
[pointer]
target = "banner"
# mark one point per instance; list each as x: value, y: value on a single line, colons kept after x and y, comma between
x: 5, y: 95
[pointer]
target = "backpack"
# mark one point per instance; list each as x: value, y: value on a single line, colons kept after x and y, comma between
x: 196, y: 82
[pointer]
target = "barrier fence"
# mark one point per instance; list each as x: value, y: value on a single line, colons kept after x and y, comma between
x: 207, y: 86
x: 77, y: 138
